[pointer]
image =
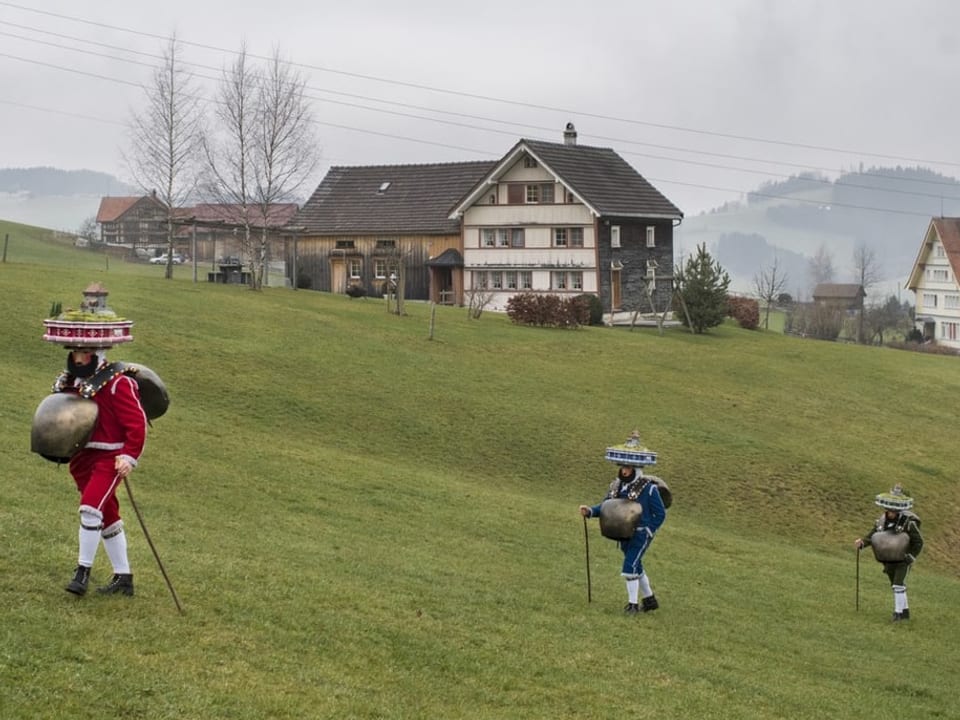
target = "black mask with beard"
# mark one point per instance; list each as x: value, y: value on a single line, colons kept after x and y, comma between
x: 85, y: 370
x: 629, y: 477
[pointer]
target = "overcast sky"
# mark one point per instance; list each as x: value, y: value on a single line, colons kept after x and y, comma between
x: 705, y: 98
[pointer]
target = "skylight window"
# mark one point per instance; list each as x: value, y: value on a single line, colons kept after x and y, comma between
x: 383, y: 187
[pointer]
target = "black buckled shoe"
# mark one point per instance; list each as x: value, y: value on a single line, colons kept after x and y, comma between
x: 120, y: 583
x: 650, y: 603
x: 81, y: 578
x: 631, y: 609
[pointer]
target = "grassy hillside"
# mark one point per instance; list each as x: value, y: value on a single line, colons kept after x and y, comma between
x: 364, y: 523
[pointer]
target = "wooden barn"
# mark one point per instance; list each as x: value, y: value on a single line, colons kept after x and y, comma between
x: 365, y: 227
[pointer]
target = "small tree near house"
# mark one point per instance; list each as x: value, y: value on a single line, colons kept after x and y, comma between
x: 702, y: 291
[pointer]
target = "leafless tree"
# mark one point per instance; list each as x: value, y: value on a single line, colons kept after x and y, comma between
x: 166, y: 138
x: 868, y: 273
x: 285, y: 152
x: 769, y: 284
x: 228, y: 146
x: 820, y: 267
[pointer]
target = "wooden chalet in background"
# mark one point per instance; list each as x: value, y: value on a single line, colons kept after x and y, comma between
x: 935, y: 282
x: 134, y: 222
x: 568, y: 219
x: 362, y: 222
x: 845, y: 296
x: 215, y: 231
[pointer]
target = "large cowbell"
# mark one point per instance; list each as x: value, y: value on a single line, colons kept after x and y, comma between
x: 153, y: 393
x: 62, y: 424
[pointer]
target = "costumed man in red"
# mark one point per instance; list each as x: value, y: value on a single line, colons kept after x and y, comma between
x: 98, y: 468
x: 114, y: 445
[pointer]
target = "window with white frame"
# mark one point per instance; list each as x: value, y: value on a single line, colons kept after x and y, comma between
x: 379, y: 269
x: 929, y: 300
x: 941, y: 274
x: 529, y: 162
x: 559, y: 281
x: 576, y: 280
x: 496, y: 280
x: 526, y: 280
x: 615, y: 236
x: 355, y: 268
x: 568, y: 237
x: 938, y: 250
x: 651, y: 236
x: 479, y: 278
x: 511, y: 279
x: 948, y: 330
x: 539, y: 193
x: 951, y: 302
x: 502, y: 237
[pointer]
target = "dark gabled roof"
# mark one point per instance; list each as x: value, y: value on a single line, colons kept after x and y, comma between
x: 389, y: 199
x: 450, y: 257
x: 838, y: 291
x: 603, y: 179
x: 600, y: 178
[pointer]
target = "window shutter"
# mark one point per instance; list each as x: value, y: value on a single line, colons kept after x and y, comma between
x: 516, y: 194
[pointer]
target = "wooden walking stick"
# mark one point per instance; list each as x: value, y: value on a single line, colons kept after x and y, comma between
x: 156, y: 555
x: 858, y: 578
x: 586, y: 542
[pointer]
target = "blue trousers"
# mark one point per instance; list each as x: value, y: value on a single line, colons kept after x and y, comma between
x: 633, y: 551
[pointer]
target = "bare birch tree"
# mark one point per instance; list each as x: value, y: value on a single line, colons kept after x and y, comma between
x: 820, y: 267
x: 867, y: 271
x: 768, y: 285
x: 285, y: 148
x: 165, y: 139
x: 228, y: 147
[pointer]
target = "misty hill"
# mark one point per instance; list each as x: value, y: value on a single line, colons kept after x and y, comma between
x: 885, y: 209
x: 53, y: 198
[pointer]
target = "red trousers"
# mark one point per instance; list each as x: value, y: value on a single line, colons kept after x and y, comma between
x: 97, y: 481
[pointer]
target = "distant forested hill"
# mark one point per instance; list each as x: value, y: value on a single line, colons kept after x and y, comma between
x: 886, y: 209
x: 55, y: 199
x: 51, y: 181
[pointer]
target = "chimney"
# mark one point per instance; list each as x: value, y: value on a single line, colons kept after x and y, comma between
x: 570, y: 134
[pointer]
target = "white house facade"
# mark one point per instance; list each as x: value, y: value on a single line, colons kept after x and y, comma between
x: 566, y: 219
x: 934, y: 282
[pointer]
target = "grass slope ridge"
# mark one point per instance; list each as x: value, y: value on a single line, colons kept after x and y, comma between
x: 364, y: 523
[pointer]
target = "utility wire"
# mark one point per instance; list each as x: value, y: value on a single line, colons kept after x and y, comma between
x: 616, y: 140
x: 488, y: 98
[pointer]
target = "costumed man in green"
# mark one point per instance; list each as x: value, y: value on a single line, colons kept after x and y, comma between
x: 896, y: 541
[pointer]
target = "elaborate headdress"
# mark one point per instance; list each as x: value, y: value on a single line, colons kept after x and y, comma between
x: 896, y: 499
x: 632, y: 452
x: 93, y: 326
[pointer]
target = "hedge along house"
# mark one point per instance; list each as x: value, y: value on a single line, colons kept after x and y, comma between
x: 568, y: 219
x: 365, y: 224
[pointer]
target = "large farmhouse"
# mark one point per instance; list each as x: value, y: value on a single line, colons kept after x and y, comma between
x: 568, y: 219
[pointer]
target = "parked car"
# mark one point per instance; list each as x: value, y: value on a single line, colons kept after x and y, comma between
x: 162, y: 259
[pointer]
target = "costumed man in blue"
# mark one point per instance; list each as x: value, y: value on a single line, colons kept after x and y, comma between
x: 896, y: 541
x: 631, y: 513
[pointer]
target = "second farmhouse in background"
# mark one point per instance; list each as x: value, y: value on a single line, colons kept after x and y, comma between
x: 935, y: 281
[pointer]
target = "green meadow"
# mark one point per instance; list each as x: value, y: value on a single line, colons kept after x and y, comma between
x: 364, y: 522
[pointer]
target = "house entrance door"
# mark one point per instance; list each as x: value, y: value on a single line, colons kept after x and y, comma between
x: 338, y: 275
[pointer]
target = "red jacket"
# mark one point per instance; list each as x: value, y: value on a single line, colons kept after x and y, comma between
x: 121, y: 420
